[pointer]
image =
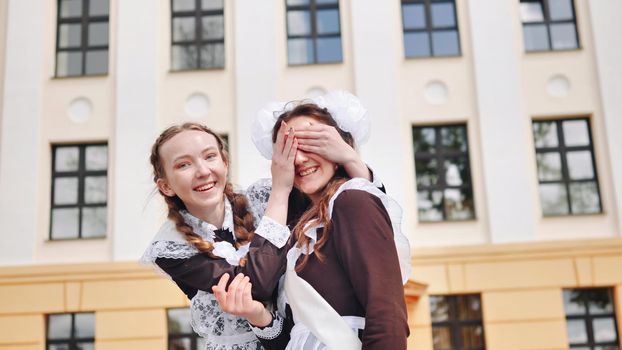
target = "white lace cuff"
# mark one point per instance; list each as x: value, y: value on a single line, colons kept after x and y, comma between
x: 272, y: 331
x: 274, y: 232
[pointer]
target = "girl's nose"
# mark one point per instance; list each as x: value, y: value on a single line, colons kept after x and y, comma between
x: 301, y: 157
x: 202, y: 169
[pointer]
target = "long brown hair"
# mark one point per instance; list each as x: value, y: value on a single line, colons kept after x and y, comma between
x: 242, y: 218
x: 300, y: 209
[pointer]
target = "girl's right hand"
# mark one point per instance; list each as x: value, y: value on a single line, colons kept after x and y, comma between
x: 283, y: 156
x: 237, y: 300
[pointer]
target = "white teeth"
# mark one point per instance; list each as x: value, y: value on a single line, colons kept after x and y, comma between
x: 205, y: 187
x: 307, y: 171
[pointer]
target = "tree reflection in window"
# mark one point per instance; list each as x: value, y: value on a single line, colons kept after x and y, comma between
x: 567, y: 176
x: 590, y: 318
x: 443, y: 175
x: 457, y: 322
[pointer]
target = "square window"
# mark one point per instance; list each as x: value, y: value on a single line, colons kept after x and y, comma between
x: 197, y: 35
x: 313, y: 32
x: 566, y: 167
x: 457, y: 322
x: 548, y: 25
x: 70, y: 331
x: 443, y: 175
x: 82, y: 38
x: 430, y: 28
x: 79, y: 191
x: 590, y: 318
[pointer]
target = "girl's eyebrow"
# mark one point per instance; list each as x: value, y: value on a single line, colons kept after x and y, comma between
x: 207, y: 149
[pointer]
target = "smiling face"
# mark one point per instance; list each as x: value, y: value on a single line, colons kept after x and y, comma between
x: 195, y: 171
x: 313, y: 172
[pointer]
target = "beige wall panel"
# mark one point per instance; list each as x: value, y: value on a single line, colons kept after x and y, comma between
x: 519, y: 274
x: 607, y: 270
x: 32, y: 298
x: 21, y: 347
x: 523, y: 305
x: 456, y: 277
x: 435, y: 276
x: 297, y: 81
x: 130, y: 324
x: 217, y: 85
x: 584, y: 268
x: 420, y: 338
x: 542, y: 335
x: 419, y: 312
x: 24, y: 330
x: 130, y: 294
x: 73, y: 296
x: 125, y: 344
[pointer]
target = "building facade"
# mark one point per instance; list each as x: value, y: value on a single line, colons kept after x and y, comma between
x: 496, y: 125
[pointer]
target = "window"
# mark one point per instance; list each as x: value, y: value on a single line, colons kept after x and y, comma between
x: 313, y: 31
x: 444, y: 190
x: 457, y: 322
x: 74, y: 331
x: 430, y: 28
x: 590, y: 319
x: 197, y: 34
x: 79, y: 191
x: 82, y: 38
x: 549, y: 25
x: 180, y: 334
x: 566, y: 167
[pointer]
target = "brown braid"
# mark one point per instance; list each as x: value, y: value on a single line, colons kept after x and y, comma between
x: 242, y: 218
x: 317, y: 212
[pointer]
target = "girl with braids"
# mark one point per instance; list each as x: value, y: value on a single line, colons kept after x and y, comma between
x: 213, y: 231
x: 347, y: 257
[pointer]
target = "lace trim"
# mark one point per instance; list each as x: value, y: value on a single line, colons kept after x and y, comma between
x: 258, y: 194
x: 274, y: 232
x: 272, y: 331
x: 219, y: 328
x: 168, y: 249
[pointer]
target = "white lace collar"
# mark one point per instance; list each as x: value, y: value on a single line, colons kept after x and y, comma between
x: 204, y: 228
x: 170, y: 243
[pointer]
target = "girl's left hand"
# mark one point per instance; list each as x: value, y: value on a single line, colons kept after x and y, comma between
x: 325, y: 141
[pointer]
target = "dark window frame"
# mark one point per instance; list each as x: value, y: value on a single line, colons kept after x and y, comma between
x: 440, y: 157
x: 192, y: 336
x: 198, y: 13
x: 72, y: 341
x: 588, y: 318
x: 84, y: 20
x: 562, y: 150
x: 455, y: 324
x: 81, y: 174
x: 313, y: 7
x: 429, y: 28
x: 547, y: 21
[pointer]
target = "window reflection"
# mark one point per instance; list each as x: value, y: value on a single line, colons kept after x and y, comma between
x: 548, y: 25
x: 430, y: 28
x: 566, y: 167
x: 313, y: 32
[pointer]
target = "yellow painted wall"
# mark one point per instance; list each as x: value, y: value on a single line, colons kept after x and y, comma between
x: 520, y: 285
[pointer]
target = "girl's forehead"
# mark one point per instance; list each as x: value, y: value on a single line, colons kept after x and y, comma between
x: 303, y: 120
x: 188, y: 141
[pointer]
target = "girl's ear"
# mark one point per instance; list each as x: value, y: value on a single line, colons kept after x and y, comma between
x: 165, y: 188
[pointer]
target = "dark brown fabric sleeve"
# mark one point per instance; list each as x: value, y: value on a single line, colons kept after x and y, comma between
x: 365, y: 247
x: 265, y: 265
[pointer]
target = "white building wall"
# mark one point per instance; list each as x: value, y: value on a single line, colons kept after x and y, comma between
x: 256, y: 73
x: 606, y: 29
x: 135, y: 219
x: 504, y: 128
x: 20, y: 139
